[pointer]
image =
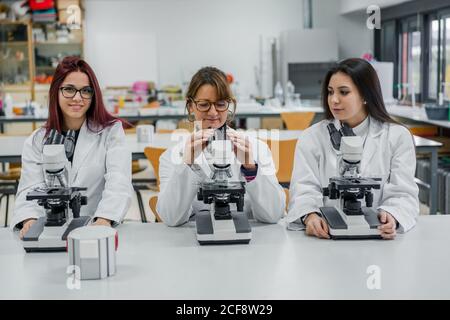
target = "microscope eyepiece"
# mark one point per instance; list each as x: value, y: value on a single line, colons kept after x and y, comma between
x: 69, y: 143
x: 335, y: 136
x: 54, y: 137
x: 346, y: 130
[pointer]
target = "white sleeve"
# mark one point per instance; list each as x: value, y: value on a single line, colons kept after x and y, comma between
x: 400, y: 192
x: 268, y: 200
x: 31, y: 176
x: 116, y: 196
x: 305, y: 189
x: 178, y: 185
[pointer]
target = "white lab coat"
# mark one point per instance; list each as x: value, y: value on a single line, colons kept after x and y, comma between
x: 101, y: 163
x: 264, y: 199
x: 388, y: 153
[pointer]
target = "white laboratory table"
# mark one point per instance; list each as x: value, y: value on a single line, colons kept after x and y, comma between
x: 416, y: 114
x: 158, y: 262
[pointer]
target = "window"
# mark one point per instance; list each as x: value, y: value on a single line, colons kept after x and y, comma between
x: 433, y: 59
x: 445, y: 85
x: 416, y: 37
x: 439, y: 58
x: 410, y: 54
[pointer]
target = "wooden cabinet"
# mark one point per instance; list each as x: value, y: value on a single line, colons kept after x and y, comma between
x: 31, y: 50
x: 17, y: 58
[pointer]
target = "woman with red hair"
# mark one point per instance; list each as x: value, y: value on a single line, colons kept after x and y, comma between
x: 100, y: 162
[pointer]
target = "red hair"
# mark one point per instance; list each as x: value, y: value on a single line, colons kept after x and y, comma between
x: 96, y: 115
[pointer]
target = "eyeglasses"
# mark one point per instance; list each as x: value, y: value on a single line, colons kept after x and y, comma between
x: 70, y: 92
x: 205, y: 105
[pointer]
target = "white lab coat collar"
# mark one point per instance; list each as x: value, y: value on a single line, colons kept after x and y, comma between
x: 372, y: 143
x: 86, y: 140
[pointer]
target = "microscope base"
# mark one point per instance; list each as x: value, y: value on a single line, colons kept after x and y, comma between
x: 50, y: 239
x: 232, y: 231
x: 342, y: 226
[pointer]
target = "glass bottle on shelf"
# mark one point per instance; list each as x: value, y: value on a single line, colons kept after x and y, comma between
x: 290, y: 90
x: 278, y: 93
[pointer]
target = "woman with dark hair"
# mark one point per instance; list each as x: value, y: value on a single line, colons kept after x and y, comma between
x: 351, y: 94
x: 208, y: 103
x: 100, y: 162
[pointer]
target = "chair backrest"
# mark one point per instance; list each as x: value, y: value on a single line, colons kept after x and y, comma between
x: 131, y: 130
x: 286, y: 191
x: 283, y: 152
x: 165, y: 131
x: 152, y: 202
x: 153, y: 154
x: 297, y: 120
x: 13, y: 173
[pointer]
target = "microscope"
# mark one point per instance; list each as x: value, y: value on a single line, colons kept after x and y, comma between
x: 49, y: 233
x: 220, y: 224
x: 350, y: 219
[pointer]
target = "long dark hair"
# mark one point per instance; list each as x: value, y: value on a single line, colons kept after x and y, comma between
x: 366, y: 80
x: 96, y: 114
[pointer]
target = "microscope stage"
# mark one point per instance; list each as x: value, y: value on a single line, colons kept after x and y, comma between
x: 343, y: 226
x: 50, y: 239
x: 230, y: 231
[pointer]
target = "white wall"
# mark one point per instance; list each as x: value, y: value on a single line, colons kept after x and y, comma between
x: 187, y: 35
x: 348, y: 6
x: 354, y: 38
x: 168, y: 40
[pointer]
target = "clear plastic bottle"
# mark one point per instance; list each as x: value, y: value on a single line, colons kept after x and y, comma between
x: 278, y: 93
x: 8, y: 105
x: 290, y: 90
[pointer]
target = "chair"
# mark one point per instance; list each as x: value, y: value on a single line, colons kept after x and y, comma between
x: 283, y: 150
x: 185, y: 124
x: 152, y: 202
x: 9, y: 181
x: 286, y: 191
x: 131, y: 130
x: 165, y: 131
x: 297, y: 120
x: 153, y: 154
x: 137, y: 167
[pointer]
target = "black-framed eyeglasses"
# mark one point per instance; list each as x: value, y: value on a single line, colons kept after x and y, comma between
x: 70, y: 92
x: 205, y: 105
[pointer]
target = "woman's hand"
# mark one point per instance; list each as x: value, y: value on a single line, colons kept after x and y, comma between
x: 316, y: 226
x: 26, y: 225
x: 388, y: 225
x: 195, y: 145
x: 102, y: 222
x: 242, y: 148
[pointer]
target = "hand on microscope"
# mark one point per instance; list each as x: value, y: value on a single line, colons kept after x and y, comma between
x: 26, y: 225
x: 316, y: 226
x: 389, y: 225
x: 195, y: 145
x: 242, y: 148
